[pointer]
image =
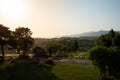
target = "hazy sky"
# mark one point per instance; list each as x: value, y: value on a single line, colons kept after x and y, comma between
x: 50, y: 18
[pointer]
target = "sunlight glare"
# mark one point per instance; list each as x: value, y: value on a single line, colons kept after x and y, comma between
x: 13, y: 10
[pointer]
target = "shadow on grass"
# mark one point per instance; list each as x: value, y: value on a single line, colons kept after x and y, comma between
x: 27, y: 71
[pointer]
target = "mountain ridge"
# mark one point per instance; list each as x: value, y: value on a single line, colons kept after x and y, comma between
x: 90, y: 34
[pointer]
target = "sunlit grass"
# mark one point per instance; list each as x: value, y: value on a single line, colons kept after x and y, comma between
x: 71, y: 71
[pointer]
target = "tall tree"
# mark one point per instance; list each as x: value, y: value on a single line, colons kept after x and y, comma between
x: 12, y: 42
x: 76, y: 45
x: 4, y: 37
x: 106, y: 55
x: 24, y: 39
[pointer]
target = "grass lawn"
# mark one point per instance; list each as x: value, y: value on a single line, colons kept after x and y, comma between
x: 71, y: 71
x: 61, y: 71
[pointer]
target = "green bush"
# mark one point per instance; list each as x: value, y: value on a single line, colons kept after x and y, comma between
x: 39, y: 52
x: 106, y: 56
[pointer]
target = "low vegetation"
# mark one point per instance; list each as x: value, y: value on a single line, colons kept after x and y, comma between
x: 60, y: 71
x: 106, y: 55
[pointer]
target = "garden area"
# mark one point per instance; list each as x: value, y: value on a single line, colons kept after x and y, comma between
x: 61, y: 59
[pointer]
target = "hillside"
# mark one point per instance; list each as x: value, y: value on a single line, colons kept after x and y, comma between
x: 89, y: 34
x: 84, y: 42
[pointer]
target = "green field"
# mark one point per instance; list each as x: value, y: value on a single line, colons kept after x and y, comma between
x: 61, y: 71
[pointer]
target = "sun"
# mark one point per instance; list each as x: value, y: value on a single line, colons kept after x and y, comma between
x: 13, y: 10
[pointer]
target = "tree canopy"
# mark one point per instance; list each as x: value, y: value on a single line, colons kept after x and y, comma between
x: 4, y: 37
x: 109, y: 40
x: 39, y: 52
x: 106, y: 55
x: 24, y: 39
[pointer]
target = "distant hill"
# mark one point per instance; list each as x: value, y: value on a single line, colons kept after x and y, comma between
x: 85, y: 40
x: 89, y: 34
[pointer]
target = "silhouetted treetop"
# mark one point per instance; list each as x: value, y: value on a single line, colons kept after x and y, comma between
x: 109, y: 40
x: 22, y: 32
x: 4, y: 37
x: 4, y: 31
x: 24, y: 39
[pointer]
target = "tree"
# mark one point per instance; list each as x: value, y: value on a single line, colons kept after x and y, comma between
x: 109, y: 40
x: 76, y: 45
x: 4, y: 37
x: 24, y: 39
x: 38, y: 52
x: 116, y: 40
x: 106, y: 55
x: 52, y: 49
x: 57, y: 49
x: 12, y: 42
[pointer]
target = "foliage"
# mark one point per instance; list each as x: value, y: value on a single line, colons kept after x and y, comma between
x: 24, y: 39
x: 56, y: 48
x: 109, y: 40
x: 12, y: 42
x: 76, y: 46
x: 83, y: 44
x: 106, y: 55
x: 4, y: 32
x: 39, y: 52
x: 19, y: 39
x: 4, y: 37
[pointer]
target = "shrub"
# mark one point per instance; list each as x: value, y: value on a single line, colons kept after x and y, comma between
x: 23, y: 56
x: 38, y: 52
x: 106, y: 55
x: 49, y: 61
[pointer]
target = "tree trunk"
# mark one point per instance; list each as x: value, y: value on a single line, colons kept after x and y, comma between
x: 2, y: 46
x: 3, y: 54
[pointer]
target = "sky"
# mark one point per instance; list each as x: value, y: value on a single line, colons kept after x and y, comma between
x: 53, y: 18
